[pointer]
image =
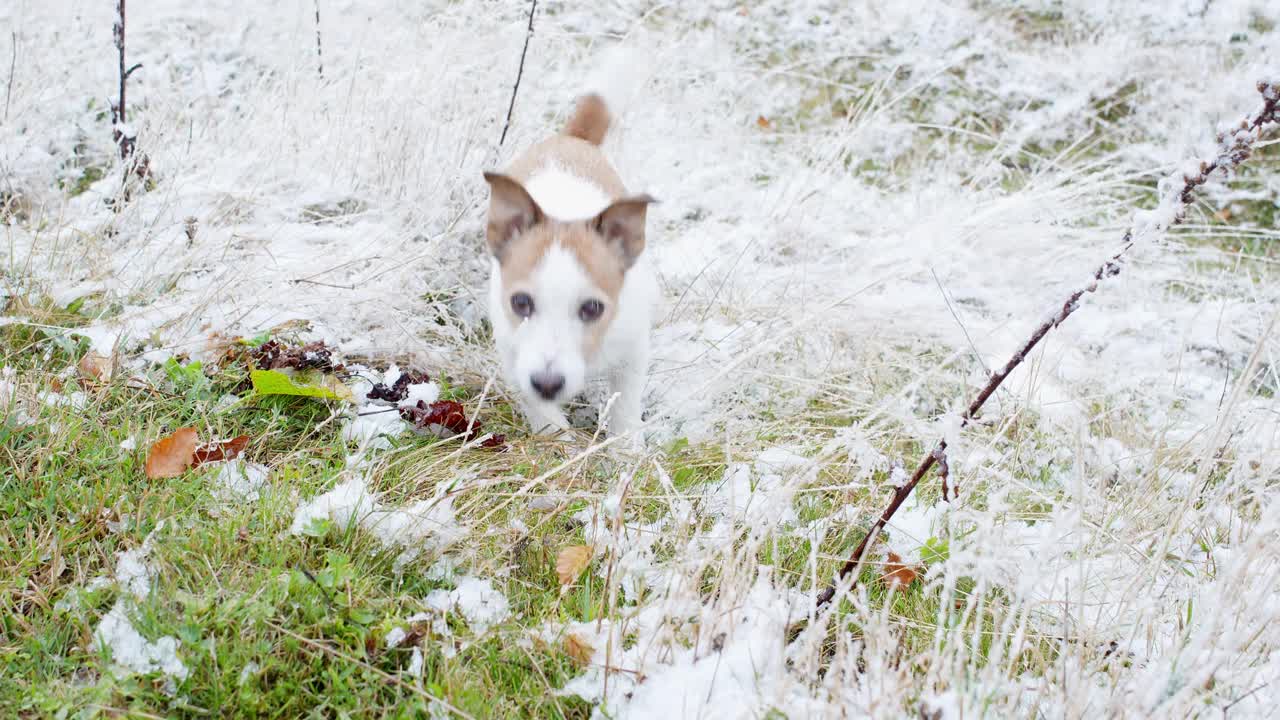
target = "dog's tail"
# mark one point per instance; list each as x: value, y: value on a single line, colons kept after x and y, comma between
x: 590, y: 120
x: 620, y: 71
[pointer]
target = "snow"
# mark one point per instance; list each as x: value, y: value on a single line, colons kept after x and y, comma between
x: 130, y: 650
x: 239, y: 480
x: 427, y: 524
x: 134, y: 653
x: 479, y: 603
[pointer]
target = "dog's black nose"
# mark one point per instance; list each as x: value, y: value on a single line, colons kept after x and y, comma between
x: 547, y: 383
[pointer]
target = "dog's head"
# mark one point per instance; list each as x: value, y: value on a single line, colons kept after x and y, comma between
x: 560, y: 282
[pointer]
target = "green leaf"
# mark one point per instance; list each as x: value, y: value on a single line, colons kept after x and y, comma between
x: 935, y: 551
x: 257, y: 340
x: 274, y: 382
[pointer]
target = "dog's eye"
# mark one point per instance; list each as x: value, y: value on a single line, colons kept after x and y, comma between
x: 591, y: 310
x: 522, y: 304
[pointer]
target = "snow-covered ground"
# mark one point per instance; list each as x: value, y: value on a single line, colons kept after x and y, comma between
x: 863, y: 205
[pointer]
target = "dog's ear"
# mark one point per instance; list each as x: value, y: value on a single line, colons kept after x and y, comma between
x: 622, y: 226
x: 511, y: 212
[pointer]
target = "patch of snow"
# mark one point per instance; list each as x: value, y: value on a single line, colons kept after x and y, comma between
x: 240, y: 481
x: 427, y: 392
x: 131, y: 652
x: 479, y: 603
x: 426, y: 524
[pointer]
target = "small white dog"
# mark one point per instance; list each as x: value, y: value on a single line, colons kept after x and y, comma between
x: 571, y: 290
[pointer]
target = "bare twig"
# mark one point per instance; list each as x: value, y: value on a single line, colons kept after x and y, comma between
x: 120, y: 133
x: 1234, y: 147
x: 13, y: 66
x: 319, y: 52
x: 533, y: 7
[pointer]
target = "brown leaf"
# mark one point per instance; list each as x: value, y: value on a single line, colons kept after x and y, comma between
x: 897, y: 575
x: 763, y: 122
x: 94, y: 367
x: 219, y: 450
x: 171, y: 456
x: 578, y: 649
x: 571, y: 562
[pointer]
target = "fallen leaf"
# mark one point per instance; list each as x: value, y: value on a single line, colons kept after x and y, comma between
x: 274, y: 382
x: 220, y: 450
x: 171, y: 456
x: 448, y: 415
x: 578, y: 649
x: 94, y: 367
x: 763, y: 122
x: 571, y: 562
x: 897, y: 575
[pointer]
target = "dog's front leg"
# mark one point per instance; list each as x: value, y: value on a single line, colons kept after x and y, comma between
x: 626, y: 387
x: 544, y: 418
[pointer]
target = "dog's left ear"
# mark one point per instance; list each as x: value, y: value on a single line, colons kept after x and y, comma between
x: 622, y: 226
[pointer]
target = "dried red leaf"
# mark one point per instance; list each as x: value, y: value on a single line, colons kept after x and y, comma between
x: 447, y: 418
x: 494, y: 442
x: 220, y: 450
x: 448, y: 415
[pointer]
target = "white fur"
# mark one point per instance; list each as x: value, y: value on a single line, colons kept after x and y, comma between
x: 552, y: 339
x: 565, y: 196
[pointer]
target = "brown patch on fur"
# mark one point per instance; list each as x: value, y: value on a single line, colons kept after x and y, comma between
x: 575, y: 156
x: 590, y: 120
x: 602, y: 265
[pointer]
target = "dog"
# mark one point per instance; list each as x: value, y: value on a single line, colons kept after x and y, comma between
x: 571, y: 291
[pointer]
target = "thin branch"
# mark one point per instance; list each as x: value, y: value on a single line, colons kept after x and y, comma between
x: 533, y: 7
x: 13, y: 65
x: 120, y: 132
x: 319, y: 52
x: 1234, y: 147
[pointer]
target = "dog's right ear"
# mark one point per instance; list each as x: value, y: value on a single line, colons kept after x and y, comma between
x: 511, y: 212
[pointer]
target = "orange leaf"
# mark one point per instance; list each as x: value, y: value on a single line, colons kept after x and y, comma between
x: 763, y: 122
x: 578, y: 649
x: 897, y: 575
x: 219, y: 450
x: 171, y: 456
x: 571, y: 562
x: 94, y: 367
